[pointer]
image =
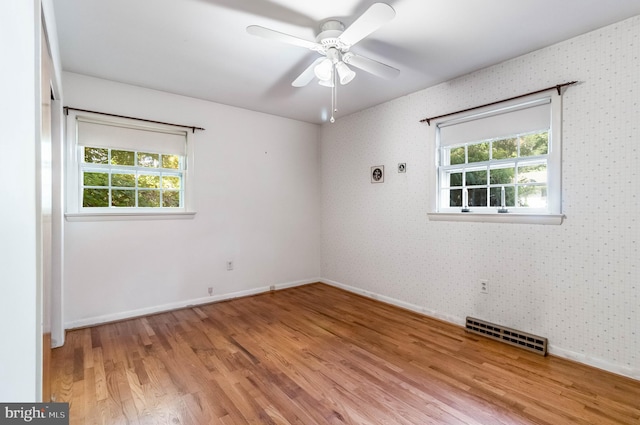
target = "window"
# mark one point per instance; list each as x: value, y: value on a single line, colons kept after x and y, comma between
x: 116, y: 178
x: 122, y: 167
x: 500, y: 164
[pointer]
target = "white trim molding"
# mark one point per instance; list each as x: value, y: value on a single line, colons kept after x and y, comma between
x: 129, y: 216
x: 498, y: 218
x: 131, y: 314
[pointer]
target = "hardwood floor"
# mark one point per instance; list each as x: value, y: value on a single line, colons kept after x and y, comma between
x: 318, y: 355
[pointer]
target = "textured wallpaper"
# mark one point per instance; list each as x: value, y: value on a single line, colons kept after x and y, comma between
x: 576, y: 283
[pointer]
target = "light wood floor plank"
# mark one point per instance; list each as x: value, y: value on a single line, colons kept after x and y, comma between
x: 319, y: 355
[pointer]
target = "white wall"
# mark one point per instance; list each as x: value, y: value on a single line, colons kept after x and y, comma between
x: 21, y: 319
x: 577, y: 283
x: 18, y: 326
x: 257, y: 201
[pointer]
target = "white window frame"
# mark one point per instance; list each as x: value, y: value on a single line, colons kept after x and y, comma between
x: 438, y: 211
x: 74, y: 209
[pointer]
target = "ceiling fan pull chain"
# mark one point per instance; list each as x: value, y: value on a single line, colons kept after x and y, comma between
x: 335, y: 89
x: 334, y: 92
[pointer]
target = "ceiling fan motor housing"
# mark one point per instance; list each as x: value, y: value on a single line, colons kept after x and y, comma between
x: 328, y: 37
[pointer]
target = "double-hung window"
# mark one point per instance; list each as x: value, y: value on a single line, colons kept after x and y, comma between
x: 501, y: 164
x: 124, y: 167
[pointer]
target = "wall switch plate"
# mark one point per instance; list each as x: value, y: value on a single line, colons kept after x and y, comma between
x: 229, y: 265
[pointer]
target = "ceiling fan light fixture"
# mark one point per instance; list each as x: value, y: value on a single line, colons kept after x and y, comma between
x: 345, y: 73
x: 326, y: 83
x: 324, y: 70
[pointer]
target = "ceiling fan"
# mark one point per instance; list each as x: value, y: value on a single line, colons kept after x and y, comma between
x: 334, y: 43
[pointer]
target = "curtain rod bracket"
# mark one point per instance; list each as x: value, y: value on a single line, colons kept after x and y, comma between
x: 558, y: 87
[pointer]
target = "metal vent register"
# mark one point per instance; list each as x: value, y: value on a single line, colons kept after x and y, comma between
x: 530, y: 342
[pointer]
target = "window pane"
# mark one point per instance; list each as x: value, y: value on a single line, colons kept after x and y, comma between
x: 532, y: 196
x: 149, y: 180
x: 534, y: 144
x: 95, y: 198
x: 148, y: 159
x: 122, y: 157
x: 96, y: 179
x: 96, y: 155
x: 455, y: 179
x: 171, y: 182
x: 123, y: 198
x: 171, y: 161
x: 506, y: 148
x: 478, y: 152
x: 532, y: 173
x: 123, y: 180
x: 502, y: 175
x: 455, y: 198
x: 170, y: 198
x: 149, y: 198
x: 477, y: 197
x: 475, y: 178
x: 509, y: 196
x: 456, y: 156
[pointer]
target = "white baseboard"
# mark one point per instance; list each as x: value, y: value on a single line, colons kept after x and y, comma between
x: 398, y: 303
x: 113, y: 317
x: 598, y: 363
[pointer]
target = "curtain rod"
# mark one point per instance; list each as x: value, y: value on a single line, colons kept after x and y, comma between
x: 557, y: 87
x: 193, y: 128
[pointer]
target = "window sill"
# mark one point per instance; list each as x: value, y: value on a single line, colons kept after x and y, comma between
x: 130, y: 216
x: 499, y: 218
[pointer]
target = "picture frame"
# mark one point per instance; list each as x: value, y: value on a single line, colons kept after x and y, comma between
x: 377, y: 174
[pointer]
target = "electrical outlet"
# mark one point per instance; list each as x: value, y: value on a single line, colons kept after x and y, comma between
x: 229, y: 265
x: 210, y: 289
x: 484, y: 286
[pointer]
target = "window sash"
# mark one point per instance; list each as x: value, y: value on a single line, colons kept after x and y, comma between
x: 136, y: 171
x: 445, y: 186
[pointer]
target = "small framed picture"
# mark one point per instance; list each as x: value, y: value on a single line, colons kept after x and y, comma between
x: 402, y: 167
x: 377, y: 174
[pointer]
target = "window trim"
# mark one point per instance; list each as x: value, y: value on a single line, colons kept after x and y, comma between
x: 554, y: 167
x: 74, y: 210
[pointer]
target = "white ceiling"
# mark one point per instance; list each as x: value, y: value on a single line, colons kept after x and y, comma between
x: 200, y: 48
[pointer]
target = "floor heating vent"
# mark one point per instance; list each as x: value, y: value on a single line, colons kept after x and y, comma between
x: 534, y: 343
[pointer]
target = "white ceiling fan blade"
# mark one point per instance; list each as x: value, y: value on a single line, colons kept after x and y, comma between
x: 373, y: 67
x: 308, y: 74
x: 280, y: 36
x: 373, y: 18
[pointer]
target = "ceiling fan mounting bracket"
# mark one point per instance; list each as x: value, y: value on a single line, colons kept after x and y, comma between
x: 332, y: 25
